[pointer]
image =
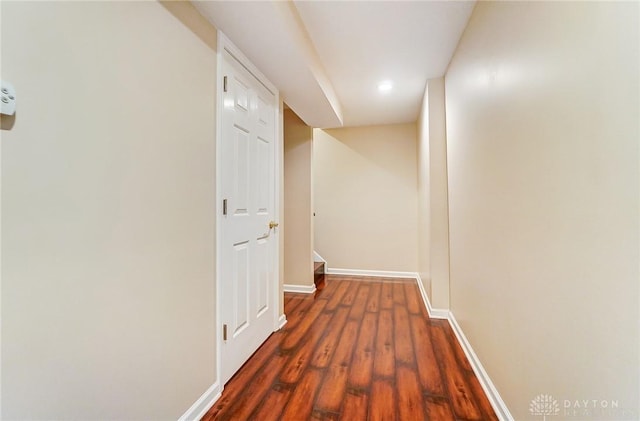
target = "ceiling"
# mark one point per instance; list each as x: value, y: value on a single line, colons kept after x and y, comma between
x: 327, y: 58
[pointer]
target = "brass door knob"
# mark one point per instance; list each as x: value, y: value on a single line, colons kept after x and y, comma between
x: 273, y: 224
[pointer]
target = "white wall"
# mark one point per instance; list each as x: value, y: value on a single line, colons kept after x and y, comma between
x: 108, y: 200
x: 543, y: 154
x: 433, y: 208
x: 365, y: 184
x: 298, y: 201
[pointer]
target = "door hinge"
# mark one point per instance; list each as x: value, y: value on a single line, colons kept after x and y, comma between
x: 224, y: 332
x: 224, y: 84
x: 224, y: 207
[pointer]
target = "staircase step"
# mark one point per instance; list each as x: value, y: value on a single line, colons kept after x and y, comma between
x: 318, y: 273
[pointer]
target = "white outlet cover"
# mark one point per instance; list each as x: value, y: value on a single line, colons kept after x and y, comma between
x: 7, y: 98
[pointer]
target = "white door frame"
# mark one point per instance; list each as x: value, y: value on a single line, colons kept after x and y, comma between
x: 224, y: 44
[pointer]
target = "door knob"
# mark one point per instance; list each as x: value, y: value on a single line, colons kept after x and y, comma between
x: 273, y: 224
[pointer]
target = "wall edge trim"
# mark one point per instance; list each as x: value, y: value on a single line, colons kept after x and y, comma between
x: 372, y: 273
x: 301, y: 289
x: 434, y: 313
x: 203, y: 404
x: 282, y: 321
x: 498, y: 405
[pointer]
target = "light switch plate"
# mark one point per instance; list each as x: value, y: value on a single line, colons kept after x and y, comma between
x: 7, y: 98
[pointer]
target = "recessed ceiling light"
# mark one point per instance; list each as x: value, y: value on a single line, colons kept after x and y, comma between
x: 385, y: 86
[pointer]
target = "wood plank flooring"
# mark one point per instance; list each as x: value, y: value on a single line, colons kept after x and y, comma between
x: 360, y: 349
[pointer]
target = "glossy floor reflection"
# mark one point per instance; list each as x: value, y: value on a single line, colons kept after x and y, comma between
x: 360, y: 349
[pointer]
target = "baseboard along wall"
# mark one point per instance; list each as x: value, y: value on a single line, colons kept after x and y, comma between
x: 300, y: 289
x: 206, y: 401
x: 498, y: 404
x: 203, y: 404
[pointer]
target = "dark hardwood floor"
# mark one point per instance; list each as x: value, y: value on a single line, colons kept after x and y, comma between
x: 360, y: 349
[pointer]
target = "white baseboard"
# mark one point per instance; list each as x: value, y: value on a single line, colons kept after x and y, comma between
x: 372, y: 273
x: 318, y: 258
x: 500, y: 408
x: 282, y: 321
x: 203, y: 404
x: 303, y: 289
x: 502, y: 412
x: 498, y: 405
x: 434, y: 313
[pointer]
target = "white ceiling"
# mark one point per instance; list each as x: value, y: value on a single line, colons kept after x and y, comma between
x: 327, y: 57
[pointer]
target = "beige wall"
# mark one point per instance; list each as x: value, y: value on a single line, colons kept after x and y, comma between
x: 298, y: 197
x: 424, y: 193
x: 543, y: 136
x: 108, y: 201
x: 433, y: 210
x: 365, y: 181
x: 439, y: 199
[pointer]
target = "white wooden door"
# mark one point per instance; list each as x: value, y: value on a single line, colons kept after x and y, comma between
x: 249, y: 250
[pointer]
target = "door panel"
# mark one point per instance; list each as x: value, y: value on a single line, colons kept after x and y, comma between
x: 240, y: 287
x: 241, y: 174
x: 264, y: 149
x: 262, y: 278
x: 248, y: 250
